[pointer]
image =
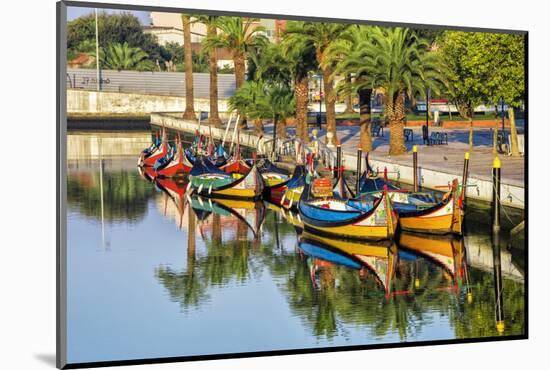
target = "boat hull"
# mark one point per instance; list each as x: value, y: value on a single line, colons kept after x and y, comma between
x: 247, y: 187
x: 380, y: 223
x: 444, y: 218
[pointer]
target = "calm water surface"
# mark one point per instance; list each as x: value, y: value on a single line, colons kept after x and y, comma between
x: 153, y: 275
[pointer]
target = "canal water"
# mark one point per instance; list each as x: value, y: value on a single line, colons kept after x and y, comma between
x: 152, y: 273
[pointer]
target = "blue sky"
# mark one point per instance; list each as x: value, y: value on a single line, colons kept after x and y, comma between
x: 75, y: 12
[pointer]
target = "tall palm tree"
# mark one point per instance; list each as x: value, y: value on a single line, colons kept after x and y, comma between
x: 211, y: 33
x: 301, y: 60
x: 238, y: 34
x: 400, y: 64
x: 349, y: 53
x: 321, y: 36
x: 188, y: 59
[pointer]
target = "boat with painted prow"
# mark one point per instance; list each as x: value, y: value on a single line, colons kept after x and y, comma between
x: 149, y: 156
x: 421, y: 212
x: 207, y: 180
x: 337, y: 217
x: 177, y: 164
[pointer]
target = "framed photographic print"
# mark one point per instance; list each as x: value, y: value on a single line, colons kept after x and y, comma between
x: 238, y: 184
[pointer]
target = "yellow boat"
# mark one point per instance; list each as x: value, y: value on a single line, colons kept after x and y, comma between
x: 208, y: 181
x: 334, y: 217
x: 443, y: 218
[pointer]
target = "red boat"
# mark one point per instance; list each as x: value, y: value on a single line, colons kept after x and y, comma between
x: 177, y: 165
x: 150, y: 155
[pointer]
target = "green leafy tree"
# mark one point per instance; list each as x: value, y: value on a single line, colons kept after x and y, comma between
x: 505, y: 56
x: 466, y: 71
x: 113, y: 29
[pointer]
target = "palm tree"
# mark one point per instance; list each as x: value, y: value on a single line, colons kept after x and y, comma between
x: 348, y: 51
x: 122, y: 57
x: 238, y: 34
x: 211, y: 33
x: 188, y: 59
x: 320, y: 36
x: 301, y: 60
x: 280, y: 104
x: 400, y: 64
x: 247, y: 101
x: 261, y: 100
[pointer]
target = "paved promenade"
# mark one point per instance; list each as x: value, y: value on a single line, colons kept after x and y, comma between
x: 446, y: 158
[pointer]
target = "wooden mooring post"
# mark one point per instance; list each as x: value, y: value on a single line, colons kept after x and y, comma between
x: 415, y: 168
x: 495, y: 205
x: 358, y: 172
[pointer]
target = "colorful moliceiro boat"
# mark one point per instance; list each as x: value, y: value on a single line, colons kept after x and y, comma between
x: 442, y: 218
x: 157, y: 150
x: 207, y: 180
x: 339, y: 218
x: 420, y: 212
x: 288, y: 190
x: 175, y: 163
x: 271, y: 174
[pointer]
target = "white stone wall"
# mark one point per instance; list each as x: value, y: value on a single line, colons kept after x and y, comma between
x: 81, y: 101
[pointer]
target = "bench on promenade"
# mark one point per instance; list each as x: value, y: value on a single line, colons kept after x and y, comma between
x: 438, y: 138
x: 408, y: 133
x: 316, y: 118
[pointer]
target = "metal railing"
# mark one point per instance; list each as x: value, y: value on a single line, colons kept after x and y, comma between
x: 294, y: 146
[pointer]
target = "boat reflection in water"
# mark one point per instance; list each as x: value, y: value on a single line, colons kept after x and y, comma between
x: 378, y: 260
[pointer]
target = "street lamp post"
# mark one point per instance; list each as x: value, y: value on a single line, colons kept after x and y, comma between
x: 97, y: 52
x: 320, y: 79
x: 502, y: 114
x: 425, y: 133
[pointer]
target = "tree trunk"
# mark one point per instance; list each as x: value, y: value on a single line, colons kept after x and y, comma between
x: 330, y: 104
x: 188, y: 58
x: 213, y: 116
x: 471, y: 136
x: 259, y: 126
x: 281, y: 129
x: 365, y: 119
x: 301, y: 93
x: 513, y: 132
x: 239, y: 62
x: 495, y: 137
x: 396, y: 115
x: 349, y: 98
